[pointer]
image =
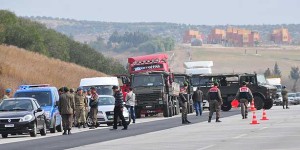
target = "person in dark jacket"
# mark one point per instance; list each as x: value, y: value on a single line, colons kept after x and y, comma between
x: 94, y: 107
x: 215, y: 102
x: 118, y: 110
x: 244, y: 95
x: 197, y: 100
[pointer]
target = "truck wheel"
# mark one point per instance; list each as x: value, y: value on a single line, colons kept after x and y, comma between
x: 226, y: 106
x: 166, y: 110
x: 258, y: 102
x: 268, y: 104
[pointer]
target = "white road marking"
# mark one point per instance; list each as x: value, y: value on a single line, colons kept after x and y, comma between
x: 206, y: 147
x: 240, y: 136
x: 263, y: 128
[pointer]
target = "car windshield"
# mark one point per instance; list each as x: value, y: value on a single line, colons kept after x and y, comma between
x: 291, y: 95
x: 180, y: 80
x: 106, y: 101
x: 147, y: 80
x: 43, y: 98
x: 16, y: 105
x: 101, y: 89
x: 298, y: 94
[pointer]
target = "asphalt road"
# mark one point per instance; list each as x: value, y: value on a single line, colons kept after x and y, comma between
x: 97, y: 136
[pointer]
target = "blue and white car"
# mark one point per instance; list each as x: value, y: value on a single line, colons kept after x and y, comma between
x: 47, y: 97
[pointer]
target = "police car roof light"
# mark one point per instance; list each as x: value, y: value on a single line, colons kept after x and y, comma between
x: 33, y: 86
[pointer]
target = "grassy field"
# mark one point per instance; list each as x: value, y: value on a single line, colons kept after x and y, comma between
x: 235, y: 60
x: 18, y: 66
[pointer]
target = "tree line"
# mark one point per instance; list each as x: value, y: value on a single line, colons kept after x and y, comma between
x: 34, y: 36
x: 136, y: 41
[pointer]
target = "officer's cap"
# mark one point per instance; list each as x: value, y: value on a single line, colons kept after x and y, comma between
x: 115, y: 87
x: 8, y: 90
x: 79, y: 88
x: 66, y: 89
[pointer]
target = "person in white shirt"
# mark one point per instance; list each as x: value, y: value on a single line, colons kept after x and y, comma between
x: 130, y: 104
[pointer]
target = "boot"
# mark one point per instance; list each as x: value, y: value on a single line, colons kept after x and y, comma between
x: 217, y: 120
x: 65, y: 132
x: 79, y: 125
x: 188, y: 122
x: 243, y: 117
x: 209, y: 119
x: 84, y: 125
x: 183, y: 121
x: 287, y: 107
x: 69, y: 132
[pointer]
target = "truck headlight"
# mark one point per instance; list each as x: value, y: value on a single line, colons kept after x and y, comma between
x: 26, y: 118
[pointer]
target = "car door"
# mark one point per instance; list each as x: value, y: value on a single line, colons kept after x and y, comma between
x: 38, y: 115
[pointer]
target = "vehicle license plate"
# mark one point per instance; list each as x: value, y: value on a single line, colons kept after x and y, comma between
x: 9, y: 125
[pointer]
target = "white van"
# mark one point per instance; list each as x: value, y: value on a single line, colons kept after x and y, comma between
x: 102, y: 84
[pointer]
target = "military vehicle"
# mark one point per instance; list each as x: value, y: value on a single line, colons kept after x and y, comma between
x: 263, y: 93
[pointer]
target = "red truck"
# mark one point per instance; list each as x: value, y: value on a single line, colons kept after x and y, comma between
x: 154, y: 86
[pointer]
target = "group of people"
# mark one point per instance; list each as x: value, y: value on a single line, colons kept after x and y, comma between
x: 81, y: 102
x: 214, y: 97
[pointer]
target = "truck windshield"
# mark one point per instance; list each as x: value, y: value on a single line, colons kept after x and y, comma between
x: 201, y: 81
x: 43, y: 98
x: 261, y: 79
x: 101, y: 89
x: 180, y: 80
x: 147, y: 80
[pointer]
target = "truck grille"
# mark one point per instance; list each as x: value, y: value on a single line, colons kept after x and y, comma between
x: 148, y: 96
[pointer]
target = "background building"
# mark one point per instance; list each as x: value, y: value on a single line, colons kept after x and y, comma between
x: 191, y: 35
x: 281, y: 36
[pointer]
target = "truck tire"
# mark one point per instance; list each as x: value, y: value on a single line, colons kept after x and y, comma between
x: 166, y: 110
x: 268, y: 104
x: 226, y: 106
x: 258, y: 102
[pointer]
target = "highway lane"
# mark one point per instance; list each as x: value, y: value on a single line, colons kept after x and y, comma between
x: 97, y: 136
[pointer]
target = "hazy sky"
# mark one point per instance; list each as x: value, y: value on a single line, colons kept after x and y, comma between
x: 209, y: 12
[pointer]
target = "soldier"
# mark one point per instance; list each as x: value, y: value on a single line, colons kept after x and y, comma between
x: 60, y: 91
x: 184, y: 100
x: 66, y: 108
x: 215, y: 101
x: 118, y: 110
x: 80, y: 107
x: 244, y: 95
x: 93, y: 107
x: 284, y: 94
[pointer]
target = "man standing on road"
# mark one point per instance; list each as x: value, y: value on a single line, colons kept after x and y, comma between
x: 93, y: 107
x: 285, y: 98
x: 6, y: 95
x: 118, y: 110
x: 215, y: 101
x: 197, y: 99
x: 66, y: 108
x: 80, y: 108
x: 244, y: 95
x: 183, y: 101
x: 130, y: 104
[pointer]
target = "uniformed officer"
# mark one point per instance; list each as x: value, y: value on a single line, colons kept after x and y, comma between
x: 66, y: 107
x: 118, y: 110
x: 6, y: 95
x: 93, y: 107
x: 184, y: 100
x: 80, y: 107
x: 284, y: 94
x: 215, y: 101
x: 244, y: 95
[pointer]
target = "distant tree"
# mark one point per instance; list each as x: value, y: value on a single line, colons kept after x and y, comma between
x: 295, y: 75
x: 267, y: 73
x: 277, y: 72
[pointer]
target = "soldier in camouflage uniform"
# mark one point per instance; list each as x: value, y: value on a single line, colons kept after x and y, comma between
x: 215, y: 101
x: 80, y: 108
x: 285, y: 99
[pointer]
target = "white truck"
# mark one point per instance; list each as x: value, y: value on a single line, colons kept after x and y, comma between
x: 197, y: 68
x: 277, y: 83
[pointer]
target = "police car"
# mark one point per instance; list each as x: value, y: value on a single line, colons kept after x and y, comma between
x: 47, y: 98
